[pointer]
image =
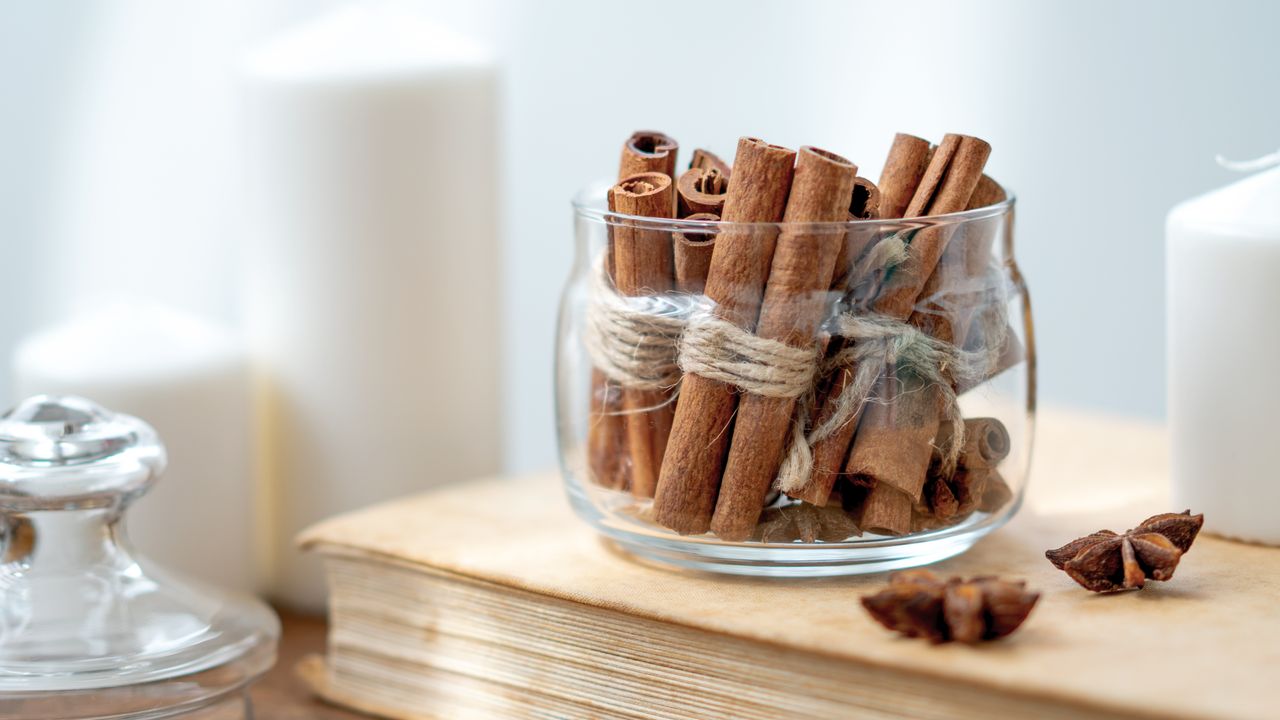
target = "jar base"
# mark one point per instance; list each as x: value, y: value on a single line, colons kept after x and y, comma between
x: 869, y: 555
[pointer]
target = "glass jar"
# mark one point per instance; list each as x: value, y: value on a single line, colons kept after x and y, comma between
x: 841, y: 436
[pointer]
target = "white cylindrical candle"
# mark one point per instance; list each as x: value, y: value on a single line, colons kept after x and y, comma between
x: 1223, y: 288
x: 189, y: 380
x: 375, y: 275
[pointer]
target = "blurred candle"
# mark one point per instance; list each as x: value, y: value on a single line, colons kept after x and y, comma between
x: 190, y: 380
x: 375, y: 276
x: 1224, y: 344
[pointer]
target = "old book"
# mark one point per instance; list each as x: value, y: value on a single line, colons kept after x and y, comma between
x: 490, y: 600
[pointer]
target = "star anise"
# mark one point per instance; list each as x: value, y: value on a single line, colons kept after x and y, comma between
x: 918, y: 603
x: 1109, y: 562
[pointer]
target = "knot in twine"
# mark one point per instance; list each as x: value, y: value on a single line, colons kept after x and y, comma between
x: 634, y: 341
x: 874, y: 343
x: 718, y: 349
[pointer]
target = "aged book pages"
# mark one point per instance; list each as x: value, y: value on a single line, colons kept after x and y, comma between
x: 493, y: 593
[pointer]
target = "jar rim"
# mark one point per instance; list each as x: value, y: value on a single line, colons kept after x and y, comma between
x: 589, y: 204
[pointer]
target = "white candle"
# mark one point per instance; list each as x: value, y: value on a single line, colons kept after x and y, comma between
x: 374, y: 310
x: 1224, y: 357
x: 189, y: 380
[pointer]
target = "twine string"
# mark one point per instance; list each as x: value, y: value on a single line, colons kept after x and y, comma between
x: 634, y: 341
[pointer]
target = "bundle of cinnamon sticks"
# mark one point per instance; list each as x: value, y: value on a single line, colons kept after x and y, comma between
x: 861, y: 420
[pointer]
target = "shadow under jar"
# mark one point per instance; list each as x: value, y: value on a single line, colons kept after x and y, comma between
x: 828, y: 403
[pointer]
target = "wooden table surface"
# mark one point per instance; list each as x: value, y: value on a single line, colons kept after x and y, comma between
x: 281, y: 695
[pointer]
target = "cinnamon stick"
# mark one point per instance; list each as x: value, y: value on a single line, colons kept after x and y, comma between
x: 945, y: 310
x: 901, y: 419
x: 904, y: 168
x: 987, y: 193
x: 643, y: 266
x: 648, y: 151
x: 644, y: 151
x: 903, y: 171
x: 949, y: 182
x: 964, y: 259
x: 885, y: 511
x: 865, y: 204
x: 740, y: 263
x: 706, y: 160
x: 794, y: 300
x: 693, y: 255
x: 986, y: 443
x: 606, y: 434
x: 701, y: 191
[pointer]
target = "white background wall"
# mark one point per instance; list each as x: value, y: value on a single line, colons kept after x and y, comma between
x: 117, y: 126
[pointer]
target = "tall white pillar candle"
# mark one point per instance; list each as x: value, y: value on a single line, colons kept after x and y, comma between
x: 374, y: 311
x: 189, y: 380
x: 1224, y: 357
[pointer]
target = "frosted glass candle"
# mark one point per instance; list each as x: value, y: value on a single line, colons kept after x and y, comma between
x: 189, y: 380
x: 1223, y: 285
x: 375, y: 276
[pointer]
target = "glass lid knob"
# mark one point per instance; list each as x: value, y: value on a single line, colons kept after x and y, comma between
x: 66, y: 451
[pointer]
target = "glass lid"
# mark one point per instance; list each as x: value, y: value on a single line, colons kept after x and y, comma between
x: 87, y: 629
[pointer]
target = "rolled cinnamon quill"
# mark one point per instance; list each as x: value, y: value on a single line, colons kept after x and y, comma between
x: 643, y: 266
x: 865, y: 203
x: 701, y: 191
x: 948, y: 303
x: 988, y: 326
x: 648, y: 151
x: 700, y: 433
x: 901, y: 419
x: 948, y: 184
x: 693, y: 255
x: 986, y: 443
x: 795, y: 299
x: 607, y: 459
x: 885, y: 511
x: 706, y: 160
x: 904, y: 170
x: 606, y: 434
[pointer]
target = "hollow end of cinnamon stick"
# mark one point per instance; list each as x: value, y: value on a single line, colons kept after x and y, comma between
x: 701, y: 191
x: 643, y: 194
x: 986, y: 443
x: 865, y: 204
x: 648, y: 151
